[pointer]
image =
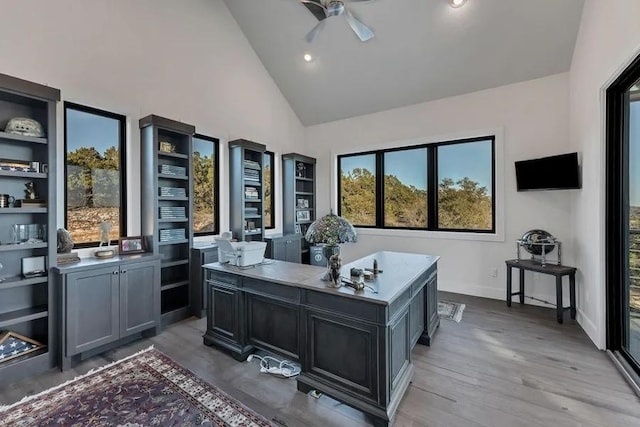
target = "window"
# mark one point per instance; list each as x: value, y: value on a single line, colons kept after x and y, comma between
x: 465, y: 177
x: 267, y: 176
x: 206, y: 216
x: 445, y: 186
x: 357, y: 192
x: 405, y: 188
x: 94, y: 174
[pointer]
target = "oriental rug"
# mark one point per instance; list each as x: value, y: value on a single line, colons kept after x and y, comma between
x: 450, y: 310
x: 145, y: 389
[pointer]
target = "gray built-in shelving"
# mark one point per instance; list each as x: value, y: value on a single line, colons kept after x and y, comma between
x: 28, y: 305
x: 166, y: 207
x: 246, y: 190
x: 298, y: 197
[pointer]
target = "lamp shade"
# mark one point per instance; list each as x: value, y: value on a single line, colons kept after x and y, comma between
x: 331, y: 230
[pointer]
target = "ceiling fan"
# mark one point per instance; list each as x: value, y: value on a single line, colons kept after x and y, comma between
x: 324, y: 9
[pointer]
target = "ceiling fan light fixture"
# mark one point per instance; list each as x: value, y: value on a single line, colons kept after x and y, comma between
x: 457, y: 3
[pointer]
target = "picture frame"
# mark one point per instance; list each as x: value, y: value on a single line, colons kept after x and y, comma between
x: 34, y: 266
x: 303, y: 216
x: 131, y: 245
x: 298, y: 229
x: 19, y: 345
x: 302, y: 204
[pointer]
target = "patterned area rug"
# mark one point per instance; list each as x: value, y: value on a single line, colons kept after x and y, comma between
x: 145, y: 389
x: 450, y: 310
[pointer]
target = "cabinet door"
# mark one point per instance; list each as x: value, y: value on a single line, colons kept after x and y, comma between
x: 139, y: 297
x: 223, y: 319
x: 92, y: 309
x: 278, y: 249
x: 273, y: 325
x: 417, y: 316
x: 293, y: 250
x: 432, y: 306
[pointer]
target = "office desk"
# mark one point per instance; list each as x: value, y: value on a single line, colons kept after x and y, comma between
x: 354, y: 346
x: 559, y: 271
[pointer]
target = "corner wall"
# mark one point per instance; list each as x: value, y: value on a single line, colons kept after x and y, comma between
x: 609, y: 37
x: 185, y: 60
x: 532, y: 121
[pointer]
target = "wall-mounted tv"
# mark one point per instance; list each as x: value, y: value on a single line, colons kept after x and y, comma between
x: 560, y: 172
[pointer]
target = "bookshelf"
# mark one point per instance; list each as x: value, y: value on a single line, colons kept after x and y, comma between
x: 166, y: 206
x: 298, y: 197
x: 28, y: 306
x: 246, y: 192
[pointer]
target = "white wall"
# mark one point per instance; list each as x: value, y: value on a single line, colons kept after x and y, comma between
x: 609, y: 37
x: 185, y: 60
x: 532, y: 121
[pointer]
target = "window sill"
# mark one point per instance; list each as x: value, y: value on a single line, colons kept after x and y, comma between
x: 422, y: 234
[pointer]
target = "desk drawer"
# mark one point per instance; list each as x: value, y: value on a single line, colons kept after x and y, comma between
x: 274, y: 290
x: 218, y: 276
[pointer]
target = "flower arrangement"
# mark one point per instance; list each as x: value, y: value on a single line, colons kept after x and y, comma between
x: 331, y: 230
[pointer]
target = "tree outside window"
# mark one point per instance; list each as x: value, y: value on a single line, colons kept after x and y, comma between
x: 94, y: 171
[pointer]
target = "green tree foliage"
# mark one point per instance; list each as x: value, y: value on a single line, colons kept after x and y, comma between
x: 203, y: 185
x: 267, y: 196
x: 93, y: 179
x: 404, y: 205
x: 359, y: 197
x: 464, y: 204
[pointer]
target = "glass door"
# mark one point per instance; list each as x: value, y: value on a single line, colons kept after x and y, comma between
x: 631, y: 286
x: 623, y: 221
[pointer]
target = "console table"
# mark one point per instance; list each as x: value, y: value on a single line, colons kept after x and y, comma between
x: 559, y: 271
x: 354, y: 346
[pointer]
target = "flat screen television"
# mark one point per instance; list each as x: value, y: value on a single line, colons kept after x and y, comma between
x: 560, y: 172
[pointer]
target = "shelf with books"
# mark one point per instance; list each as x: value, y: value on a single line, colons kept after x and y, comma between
x: 246, y: 194
x: 166, y: 188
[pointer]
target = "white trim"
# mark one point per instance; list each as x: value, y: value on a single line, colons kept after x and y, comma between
x: 497, y: 132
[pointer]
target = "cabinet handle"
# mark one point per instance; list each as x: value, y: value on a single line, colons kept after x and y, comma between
x: 115, y: 273
x: 123, y: 271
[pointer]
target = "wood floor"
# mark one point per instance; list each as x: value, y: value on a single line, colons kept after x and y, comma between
x: 499, y: 367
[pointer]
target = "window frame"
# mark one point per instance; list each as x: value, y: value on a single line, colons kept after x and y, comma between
x: 432, y: 184
x: 122, y: 128
x: 216, y: 185
x: 272, y: 205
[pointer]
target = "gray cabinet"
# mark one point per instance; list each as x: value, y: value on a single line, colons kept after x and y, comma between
x: 284, y: 248
x: 166, y: 188
x: 28, y: 304
x: 200, y: 255
x: 92, y: 309
x: 106, y: 301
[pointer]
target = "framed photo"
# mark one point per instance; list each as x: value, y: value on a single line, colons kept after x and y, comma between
x: 303, y: 216
x: 131, y: 245
x: 302, y: 204
x: 298, y: 230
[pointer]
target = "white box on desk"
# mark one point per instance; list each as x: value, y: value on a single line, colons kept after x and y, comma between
x: 242, y: 254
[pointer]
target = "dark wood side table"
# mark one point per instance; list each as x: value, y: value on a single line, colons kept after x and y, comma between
x: 559, y: 271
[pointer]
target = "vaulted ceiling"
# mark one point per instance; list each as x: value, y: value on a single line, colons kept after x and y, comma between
x: 422, y: 50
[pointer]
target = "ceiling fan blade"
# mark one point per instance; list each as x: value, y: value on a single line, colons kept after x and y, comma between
x: 363, y: 32
x: 316, y: 8
x: 313, y: 34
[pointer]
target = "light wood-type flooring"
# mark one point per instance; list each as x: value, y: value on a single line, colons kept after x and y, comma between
x: 499, y: 367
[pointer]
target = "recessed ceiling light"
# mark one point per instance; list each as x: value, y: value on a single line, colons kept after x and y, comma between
x: 307, y: 57
x: 457, y: 3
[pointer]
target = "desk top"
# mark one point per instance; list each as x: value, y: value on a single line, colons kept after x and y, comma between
x: 399, y: 271
x: 548, y: 268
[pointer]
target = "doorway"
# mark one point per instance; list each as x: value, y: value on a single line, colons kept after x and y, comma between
x: 623, y: 220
